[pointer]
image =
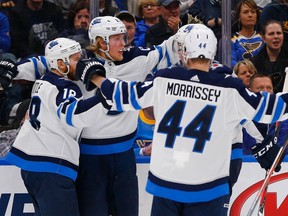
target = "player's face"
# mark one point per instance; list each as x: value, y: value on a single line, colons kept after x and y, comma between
x: 82, y: 19
x: 73, y: 62
x: 262, y: 84
x: 245, y: 73
x: 273, y: 37
x: 248, y: 16
x: 116, y: 46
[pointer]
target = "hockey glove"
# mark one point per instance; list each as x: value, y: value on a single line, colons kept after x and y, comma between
x: 85, y: 69
x: 8, y: 70
x: 266, y: 152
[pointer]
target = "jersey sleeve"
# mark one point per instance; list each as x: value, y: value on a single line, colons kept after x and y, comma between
x: 162, y: 57
x: 128, y: 95
x: 32, y: 68
x: 74, y: 110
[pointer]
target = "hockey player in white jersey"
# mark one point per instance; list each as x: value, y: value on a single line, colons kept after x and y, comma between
x: 107, y: 181
x: 196, y: 115
x: 46, y: 148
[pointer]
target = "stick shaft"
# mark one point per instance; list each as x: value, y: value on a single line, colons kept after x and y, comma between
x: 267, y: 179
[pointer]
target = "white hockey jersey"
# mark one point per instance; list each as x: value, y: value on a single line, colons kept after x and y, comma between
x: 48, y: 141
x: 115, y: 131
x: 197, y: 115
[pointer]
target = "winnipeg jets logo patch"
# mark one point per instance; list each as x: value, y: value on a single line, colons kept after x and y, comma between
x: 195, y: 78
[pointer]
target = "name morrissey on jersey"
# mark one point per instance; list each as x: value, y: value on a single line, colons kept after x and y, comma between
x: 193, y: 91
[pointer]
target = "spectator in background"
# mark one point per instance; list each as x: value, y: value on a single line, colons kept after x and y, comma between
x: 78, y: 19
x: 210, y: 12
x: 261, y: 82
x: 246, y: 42
x: 143, y: 139
x: 277, y: 10
x: 5, y: 5
x: 168, y: 24
x: 130, y: 23
x: 149, y: 15
x: 244, y: 70
x: 32, y: 24
x: 5, y: 40
x: 106, y: 8
x: 272, y: 59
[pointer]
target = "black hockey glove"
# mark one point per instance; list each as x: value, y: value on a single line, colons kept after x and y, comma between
x: 266, y: 152
x: 8, y: 70
x: 85, y: 69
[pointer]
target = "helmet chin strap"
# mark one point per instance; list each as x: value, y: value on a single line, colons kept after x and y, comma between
x: 106, y: 52
x: 64, y: 73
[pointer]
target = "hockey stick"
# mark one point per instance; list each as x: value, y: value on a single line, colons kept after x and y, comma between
x: 263, y: 195
x: 267, y: 179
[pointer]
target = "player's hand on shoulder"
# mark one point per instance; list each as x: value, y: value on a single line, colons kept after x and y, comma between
x: 266, y: 152
x: 86, y: 68
x: 8, y: 70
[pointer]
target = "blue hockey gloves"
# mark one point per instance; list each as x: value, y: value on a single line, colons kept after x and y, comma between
x: 85, y: 69
x: 266, y: 152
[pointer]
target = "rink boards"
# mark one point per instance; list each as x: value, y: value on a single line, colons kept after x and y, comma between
x: 14, y: 200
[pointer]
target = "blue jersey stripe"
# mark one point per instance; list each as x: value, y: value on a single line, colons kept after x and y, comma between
x: 106, y: 149
x: 260, y: 112
x: 43, y: 60
x: 237, y: 154
x: 43, y: 166
x: 133, y: 97
x: 69, y: 114
x: 117, y: 98
x: 279, y: 108
x: 37, y: 74
x: 188, y: 196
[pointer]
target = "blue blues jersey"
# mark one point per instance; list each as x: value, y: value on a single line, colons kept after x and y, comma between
x: 144, y: 134
x: 197, y: 114
x: 48, y: 141
x: 245, y: 48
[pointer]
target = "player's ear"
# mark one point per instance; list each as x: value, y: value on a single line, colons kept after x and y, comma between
x: 102, y: 44
x: 61, y: 65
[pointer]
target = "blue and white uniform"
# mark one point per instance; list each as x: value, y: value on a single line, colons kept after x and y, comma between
x: 188, y: 107
x: 48, y: 142
x: 106, y: 149
x: 136, y: 65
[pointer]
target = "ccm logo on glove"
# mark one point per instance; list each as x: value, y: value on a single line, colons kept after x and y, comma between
x: 264, y: 150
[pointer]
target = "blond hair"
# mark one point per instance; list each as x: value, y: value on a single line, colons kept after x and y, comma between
x: 245, y: 62
x: 96, y: 46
